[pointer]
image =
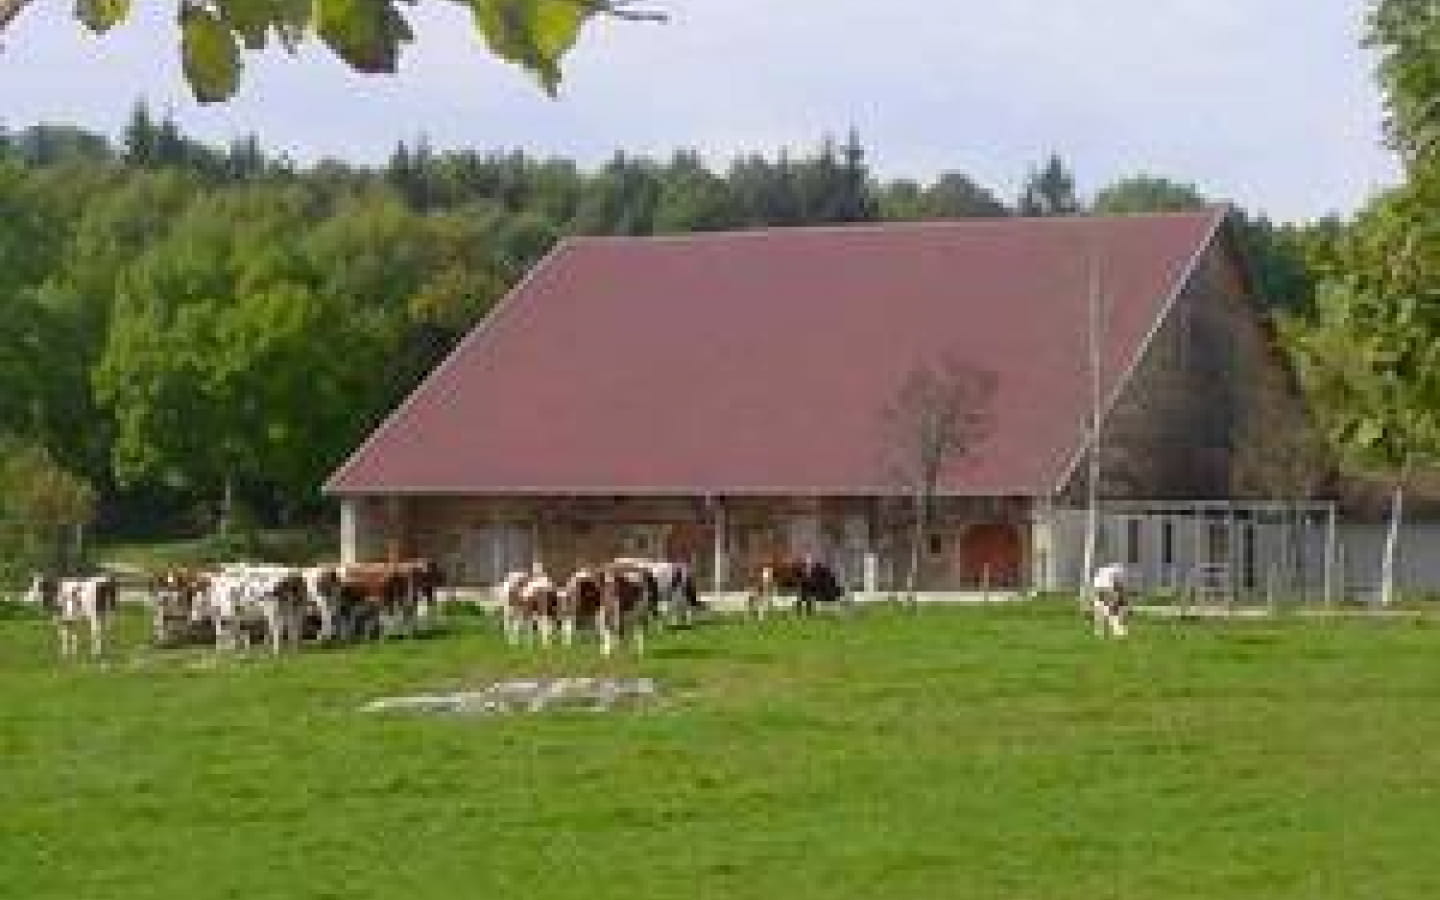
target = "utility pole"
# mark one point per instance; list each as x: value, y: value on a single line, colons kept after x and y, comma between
x: 1093, y: 337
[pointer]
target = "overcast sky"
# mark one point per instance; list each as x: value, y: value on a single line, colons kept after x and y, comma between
x: 1267, y: 102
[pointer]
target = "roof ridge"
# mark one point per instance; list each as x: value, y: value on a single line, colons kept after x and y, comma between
x: 1209, y: 211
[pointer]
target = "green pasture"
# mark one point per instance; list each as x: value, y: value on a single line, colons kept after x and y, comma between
x: 996, y: 752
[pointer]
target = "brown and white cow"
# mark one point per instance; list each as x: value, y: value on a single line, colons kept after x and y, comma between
x: 808, y: 578
x: 580, y: 601
x: 381, y: 597
x: 76, y: 603
x: 176, y: 595
x: 529, y: 605
x: 628, y: 596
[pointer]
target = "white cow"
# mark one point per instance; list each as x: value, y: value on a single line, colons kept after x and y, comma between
x: 322, y: 587
x: 675, y: 585
x: 1109, y: 607
x: 76, y: 602
x: 246, y: 592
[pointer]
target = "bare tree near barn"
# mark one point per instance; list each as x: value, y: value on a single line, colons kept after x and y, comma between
x: 941, y: 413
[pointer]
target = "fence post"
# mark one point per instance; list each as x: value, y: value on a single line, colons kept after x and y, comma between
x: 1330, y: 557
x: 1340, y: 572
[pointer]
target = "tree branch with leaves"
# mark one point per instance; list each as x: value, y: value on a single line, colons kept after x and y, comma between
x: 368, y: 35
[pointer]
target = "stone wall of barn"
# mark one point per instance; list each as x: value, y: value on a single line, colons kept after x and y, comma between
x: 975, y: 543
x: 1172, y: 432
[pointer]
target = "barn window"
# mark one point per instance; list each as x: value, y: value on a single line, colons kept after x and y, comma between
x: 1218, y: 541
x: 1247, y: 556
x: 937, y: 545
x: 1132, y: 541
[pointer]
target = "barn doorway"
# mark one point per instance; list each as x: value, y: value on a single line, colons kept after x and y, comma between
x: 991, y: 553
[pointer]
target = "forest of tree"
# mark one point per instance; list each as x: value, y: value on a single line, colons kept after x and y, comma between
x: 189, y: 324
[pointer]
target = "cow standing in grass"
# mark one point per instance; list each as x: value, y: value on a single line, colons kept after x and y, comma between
x: 811, y: 580
x: 77, y: 603
x: 675, y: 592
x: 240, y: 594
x: 1109, y: 603
x: 628, y: 594
x: 579, y: 601
x: 387, y: 597
x: 423, y: 580
x: 176, y: 595
x: 322, y: 590
x: 529, y: 605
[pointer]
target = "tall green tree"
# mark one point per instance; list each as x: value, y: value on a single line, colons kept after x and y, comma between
x: 623, y: 199
x: 1147, y: 193
x: 1049, y: 191
x: 1406, y: 34
x: 1371, y: 366
x: 692, y: 198
x: 1369, y: 353
x: 953, y: 195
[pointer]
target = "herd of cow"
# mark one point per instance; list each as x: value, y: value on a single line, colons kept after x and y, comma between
x: 235, y: 604
x: 623, y: 597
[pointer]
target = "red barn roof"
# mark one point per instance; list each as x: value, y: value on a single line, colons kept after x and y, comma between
x: 758, y: 362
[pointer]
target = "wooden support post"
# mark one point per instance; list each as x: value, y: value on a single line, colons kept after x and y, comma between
x: 1231, y: 575
x: 1340, y: 575
x: 1330, y: 548
x: 720, y: 561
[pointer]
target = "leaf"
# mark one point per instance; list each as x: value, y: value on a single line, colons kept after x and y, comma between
x: 1367, y: 433
x: 534, y: 34
x: 367, y: 34
x: 9, y: 9
x: 101, y: 15
x: 253, y: 20
x: 211, y: 58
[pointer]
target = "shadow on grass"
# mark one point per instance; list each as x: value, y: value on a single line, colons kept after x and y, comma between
x: 14, y: 610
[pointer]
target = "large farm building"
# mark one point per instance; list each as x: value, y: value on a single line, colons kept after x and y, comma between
x: 721, y: 398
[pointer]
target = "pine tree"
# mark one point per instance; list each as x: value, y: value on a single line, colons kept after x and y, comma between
x: 1049, y: 191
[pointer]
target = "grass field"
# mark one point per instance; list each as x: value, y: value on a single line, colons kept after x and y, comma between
x: 954, y: 752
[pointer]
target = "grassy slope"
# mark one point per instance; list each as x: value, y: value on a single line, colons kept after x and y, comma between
x: 959, y: 752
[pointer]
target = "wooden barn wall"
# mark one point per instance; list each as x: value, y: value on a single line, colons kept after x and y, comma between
x: 478, y: 538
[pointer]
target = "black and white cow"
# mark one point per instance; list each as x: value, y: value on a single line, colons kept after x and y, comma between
x: 76, y: 603
x: 676, y: 598
x: 240, y: 594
